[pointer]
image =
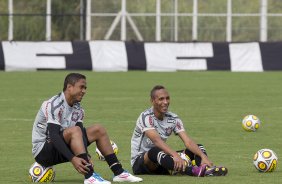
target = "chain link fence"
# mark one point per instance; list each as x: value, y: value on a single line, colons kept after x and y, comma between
x: 143, y: 20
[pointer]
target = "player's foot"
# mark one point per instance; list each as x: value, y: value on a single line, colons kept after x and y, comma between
x: 216, y: 171
x: 199, y: 171
x: 126, y: 177
x: 96, y: 179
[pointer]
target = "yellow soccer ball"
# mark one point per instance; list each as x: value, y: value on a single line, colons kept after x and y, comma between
x: 265, y: 160
x: 251, y: 123
x: 38, y: 173
x: 99, y: 154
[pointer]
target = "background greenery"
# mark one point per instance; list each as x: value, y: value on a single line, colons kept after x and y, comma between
x: 211, y: 104
x: 66, y: 22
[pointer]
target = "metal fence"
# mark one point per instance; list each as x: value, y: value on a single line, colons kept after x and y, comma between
x: 157, y: 20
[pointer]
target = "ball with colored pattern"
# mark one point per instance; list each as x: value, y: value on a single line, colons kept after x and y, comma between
x: 38, y: 173
x: 265, y: 160
x: 99, y: 154
x: 251, y: 123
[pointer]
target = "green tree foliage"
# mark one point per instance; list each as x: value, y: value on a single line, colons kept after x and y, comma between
x: 29, y: 22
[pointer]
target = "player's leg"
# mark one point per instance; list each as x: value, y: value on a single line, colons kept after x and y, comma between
x: 74, y: 138
x: 196, y: 160
x: 209, y: 171
x: 155, y: 157
x: 98, y: 134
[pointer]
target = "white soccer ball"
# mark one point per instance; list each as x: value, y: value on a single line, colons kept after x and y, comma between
x: 251, y: 123
x: 185, y: 158
x: 99, y: 154
x: 38, y: 173
x: 187, y: 161
x: 265, y: 160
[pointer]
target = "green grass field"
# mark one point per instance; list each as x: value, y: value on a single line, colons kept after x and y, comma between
x: 211, y: 104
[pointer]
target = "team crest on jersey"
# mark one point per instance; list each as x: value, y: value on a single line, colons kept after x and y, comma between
x: 75, y: 116
x: 168, y: 131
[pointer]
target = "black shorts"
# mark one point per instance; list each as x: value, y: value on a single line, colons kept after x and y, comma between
x: 140, y: 168
x: 50, y: 156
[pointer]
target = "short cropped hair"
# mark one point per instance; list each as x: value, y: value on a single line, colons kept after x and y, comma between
x: 155, y: 88
x: 72, y: 78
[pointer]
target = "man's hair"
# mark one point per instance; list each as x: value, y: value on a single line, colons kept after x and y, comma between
x: 72, y: 78
x: 155, y: 88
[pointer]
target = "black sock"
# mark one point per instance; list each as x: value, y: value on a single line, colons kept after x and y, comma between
x: 192, y: 156
x: 157, y: 156
x: 91, y: 169
x: 114, y: 164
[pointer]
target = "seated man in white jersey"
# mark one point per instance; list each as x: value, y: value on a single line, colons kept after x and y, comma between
x: 151, y: 155
x: 58, y: 135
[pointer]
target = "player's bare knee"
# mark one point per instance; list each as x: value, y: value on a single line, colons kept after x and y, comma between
x: 76, y: 131
x: 100, y: 130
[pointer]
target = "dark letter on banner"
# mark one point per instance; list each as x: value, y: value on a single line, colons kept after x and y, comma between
x: 81, y: 58
x: 271, y: 54
x: 221, y: 58
x: 2, y: 62
x: 135, y: 55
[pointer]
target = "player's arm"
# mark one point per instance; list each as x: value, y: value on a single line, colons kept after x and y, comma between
x: 152, y: 134
x: 192, y: 146
x: 156, y: 139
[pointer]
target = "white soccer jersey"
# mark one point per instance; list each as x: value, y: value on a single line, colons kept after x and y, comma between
x: 55, y: 110
x: 146, y: 121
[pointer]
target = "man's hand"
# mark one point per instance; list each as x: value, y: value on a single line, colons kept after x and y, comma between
x: 179, y: 163
x: 80, y: 165
x: 205, y: 160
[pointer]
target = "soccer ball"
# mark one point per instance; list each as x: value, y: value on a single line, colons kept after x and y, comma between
x: 265, y: 160
x: 38, y: 173
x: 186, y: 159
x: 251, y: 123
x: 99, y: 154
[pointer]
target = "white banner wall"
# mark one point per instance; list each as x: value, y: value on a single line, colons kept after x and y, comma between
x: 177, y: 56
x: 124, y: 56
x: 108, y: 55
x: 35, y: 55
x: 245, y: 57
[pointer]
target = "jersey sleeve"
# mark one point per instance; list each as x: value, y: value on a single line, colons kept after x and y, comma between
x: 145, y: 122
x: 81, y: 117
x: 179, y: 127
x: 52, y: 112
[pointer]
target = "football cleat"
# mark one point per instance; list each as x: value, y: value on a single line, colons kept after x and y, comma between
x: 216, y: 171
x: 96, y: 179
x: 125, y: 176
x: 199, y: 171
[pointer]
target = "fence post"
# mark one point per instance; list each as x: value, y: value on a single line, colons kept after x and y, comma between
x: 195, y: 21
x: 123, y: 20
x: 11, y: 23
x: 158, y: 20
x: 88, y: 20
x: 229, y: 21
x: 263, y: 20
x: 176, y: 20
x: 48, y: 20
